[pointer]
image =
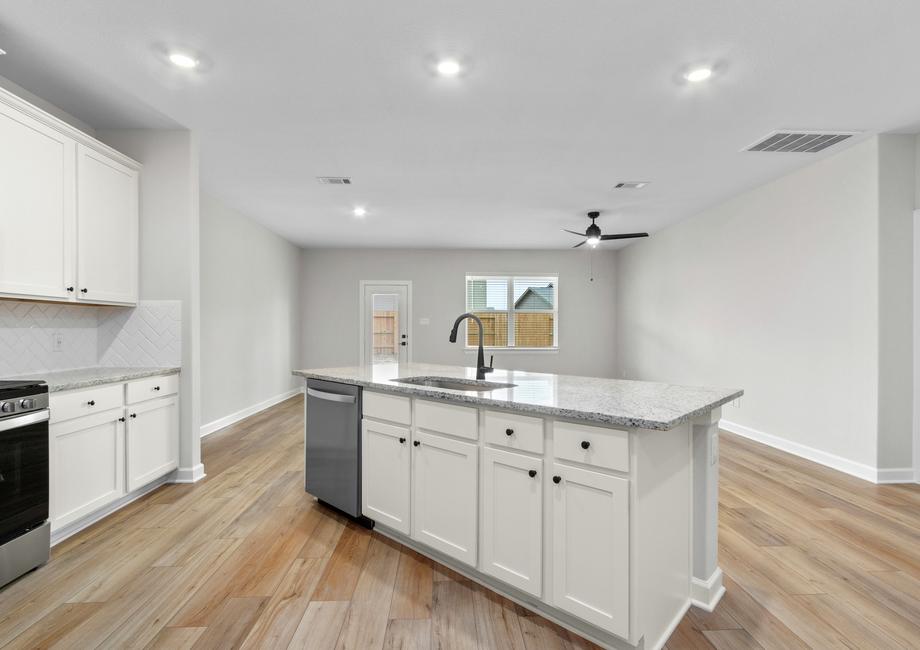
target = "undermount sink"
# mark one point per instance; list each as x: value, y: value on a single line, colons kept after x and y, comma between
x: 451, y: 383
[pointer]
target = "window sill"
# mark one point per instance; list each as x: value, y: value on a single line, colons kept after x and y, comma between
x: 474, y: 350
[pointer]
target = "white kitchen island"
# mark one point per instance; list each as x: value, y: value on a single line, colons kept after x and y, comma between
x: 591, y: 501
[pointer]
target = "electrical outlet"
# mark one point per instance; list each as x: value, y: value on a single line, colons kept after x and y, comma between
x: 57, y: 342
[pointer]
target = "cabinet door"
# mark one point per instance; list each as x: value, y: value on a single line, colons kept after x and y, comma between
x: 36, y: 208
x: 87, y: 467
x: 591, y: 547
x: 152, y: 440
x: 444, y: 496
x: 107, y: 195
x: 385, y: 474
x: 512, y: 519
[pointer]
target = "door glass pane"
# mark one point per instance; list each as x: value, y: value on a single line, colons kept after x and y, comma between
x: 385, y: 328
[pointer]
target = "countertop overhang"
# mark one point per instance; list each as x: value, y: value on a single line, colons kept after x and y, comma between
x: 616, y: 402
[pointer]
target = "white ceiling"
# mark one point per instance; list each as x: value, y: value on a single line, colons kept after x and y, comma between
x: 560, y: 101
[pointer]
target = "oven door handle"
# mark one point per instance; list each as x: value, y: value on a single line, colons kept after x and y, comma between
x: 23, y: 420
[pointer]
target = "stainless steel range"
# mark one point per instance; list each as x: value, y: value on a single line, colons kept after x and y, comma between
x: 25, y: 533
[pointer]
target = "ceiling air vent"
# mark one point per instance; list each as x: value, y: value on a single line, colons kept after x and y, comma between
x: 630, y: 185
x: 799, y: 141
x: 333, y: 180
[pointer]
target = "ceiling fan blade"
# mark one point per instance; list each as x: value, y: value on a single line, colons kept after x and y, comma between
x: 580, y: 234
x: 630, y: 235
x: 579, y: 244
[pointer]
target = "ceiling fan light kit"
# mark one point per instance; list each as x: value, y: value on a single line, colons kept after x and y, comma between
x: 593, y: 236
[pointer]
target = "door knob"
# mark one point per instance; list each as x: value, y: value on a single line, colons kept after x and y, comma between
x: 402, y: 441
x: 556, y: 479
x: 133, y: 415
x: 70, y: 289
x: 415, y: 443
x: 121, y: 419
x: 84, y: 290
x: 509, y: 432
x: 532, y: 473
x: 585, y: 444
x: 92, y: 402
x: 156, y: 388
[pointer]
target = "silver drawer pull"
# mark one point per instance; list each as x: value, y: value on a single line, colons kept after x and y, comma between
x: 331, y: 397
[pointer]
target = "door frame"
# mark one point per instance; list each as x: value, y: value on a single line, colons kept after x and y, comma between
x: 362, y: 334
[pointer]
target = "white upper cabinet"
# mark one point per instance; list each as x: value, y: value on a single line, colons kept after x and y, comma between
x: 68, y: 212
x: 107, y: 194
x: 36, y: 208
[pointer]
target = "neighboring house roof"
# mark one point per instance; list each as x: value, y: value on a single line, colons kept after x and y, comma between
x: 536, y: 298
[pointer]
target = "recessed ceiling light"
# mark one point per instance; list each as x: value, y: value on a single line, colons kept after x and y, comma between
x: 696, y: 75
x: 359, y: 211
x: 183, y: 60
x: 2, y: 52
x: 449, y: 67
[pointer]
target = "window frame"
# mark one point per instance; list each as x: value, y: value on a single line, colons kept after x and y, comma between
x: 509, y: 279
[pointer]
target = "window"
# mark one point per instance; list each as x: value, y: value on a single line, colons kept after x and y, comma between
x: 516, y: 311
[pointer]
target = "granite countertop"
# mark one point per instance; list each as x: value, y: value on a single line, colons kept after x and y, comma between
x: 85, y: 377
x: 618, y: 402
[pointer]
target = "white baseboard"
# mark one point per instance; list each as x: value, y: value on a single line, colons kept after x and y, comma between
x: 189, y: 474
x: 845, y: 465
x: 227, y: 420
x: 706, y: 594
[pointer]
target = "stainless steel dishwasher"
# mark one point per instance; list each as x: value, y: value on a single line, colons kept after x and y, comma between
x: 333, y: 446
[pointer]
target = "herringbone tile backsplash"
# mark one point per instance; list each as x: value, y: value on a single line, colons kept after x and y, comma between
x: 147, y: 335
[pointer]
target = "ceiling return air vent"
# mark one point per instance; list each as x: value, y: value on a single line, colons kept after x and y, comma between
x: 799, y: 141
x: 333, y: 180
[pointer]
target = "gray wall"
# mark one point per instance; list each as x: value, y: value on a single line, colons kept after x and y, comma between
x: 774, y: 291
x: 250, y: 312
x: 169, y: 256
x: 331, y: 278
x: 897, y: 180
x: 798, y: 291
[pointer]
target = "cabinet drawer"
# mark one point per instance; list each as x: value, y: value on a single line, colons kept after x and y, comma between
x: 454, y: 420
x: 76, y: 403
x: 152, y: 387
x: 387, y: 407
x: 608, y: 448
x: 514, y: 431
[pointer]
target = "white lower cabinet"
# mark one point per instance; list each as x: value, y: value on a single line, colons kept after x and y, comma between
x: 591, y: 547
x: 87, y: 468
x: 512, y: 519
x: 152, y: 441
x: 444, y: 495
x: 102, y: 449
x: 385, y: 474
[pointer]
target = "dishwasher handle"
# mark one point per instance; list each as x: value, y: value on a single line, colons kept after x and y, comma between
x: 331, y: 397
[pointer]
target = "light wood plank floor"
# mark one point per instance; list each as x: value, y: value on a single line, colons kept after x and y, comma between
x: 813, y: 559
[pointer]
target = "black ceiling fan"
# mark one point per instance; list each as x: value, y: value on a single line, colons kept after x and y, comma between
x: 593, y: 234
